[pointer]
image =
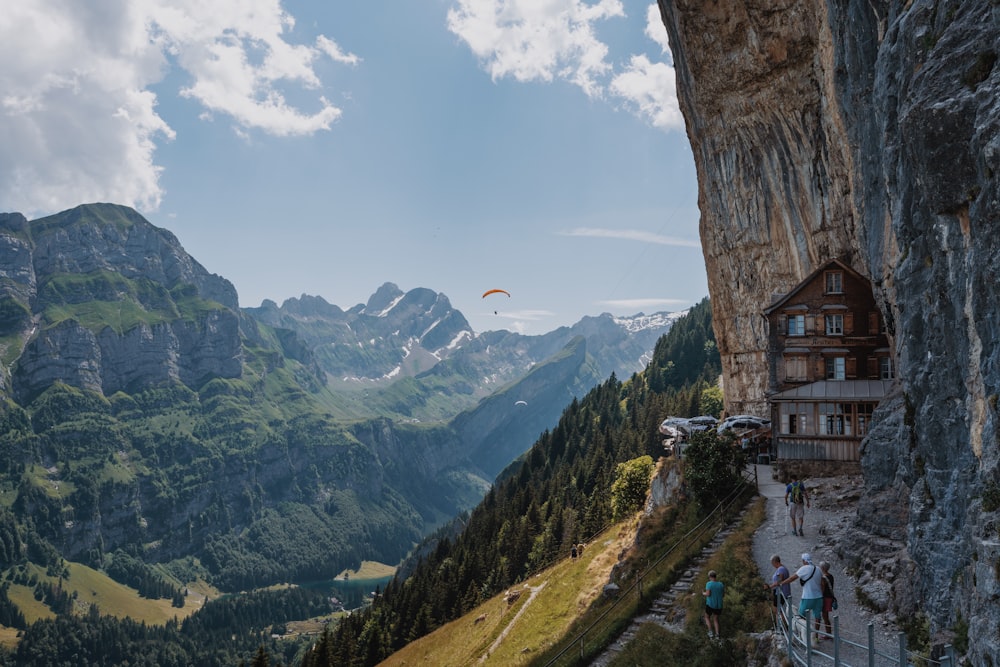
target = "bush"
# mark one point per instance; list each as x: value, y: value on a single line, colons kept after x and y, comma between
x: 628, y: 491
x: 711, y: 467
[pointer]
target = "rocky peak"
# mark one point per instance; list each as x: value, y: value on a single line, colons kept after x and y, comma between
x: 174, y: 320
x: 382, y: 299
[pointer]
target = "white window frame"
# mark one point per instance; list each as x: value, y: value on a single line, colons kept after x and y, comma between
x: 836, y: 368
x: 796, y: 325
x: 834, y: 324
x: 834, y: 419
x: 885, y: 368
x: 834, y: 282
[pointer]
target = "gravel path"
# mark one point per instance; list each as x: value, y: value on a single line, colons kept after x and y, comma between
x: 828, y: 520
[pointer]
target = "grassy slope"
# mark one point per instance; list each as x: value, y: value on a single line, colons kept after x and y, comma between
x: 562, y: 592
x: 565, y: 593
x: 111, y: 597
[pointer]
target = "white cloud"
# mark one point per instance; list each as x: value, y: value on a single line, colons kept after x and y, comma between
x: 655, y: 29
x: 632, y: 235
x: 649, y: 90
x: 547, y: 40
x: 78, y: 118
x: 537, y: 40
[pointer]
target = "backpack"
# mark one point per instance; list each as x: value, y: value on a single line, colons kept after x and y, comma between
x: 797, y: 490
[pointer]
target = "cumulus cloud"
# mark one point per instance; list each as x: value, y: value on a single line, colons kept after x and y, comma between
x: 556, y: 40
x: 649, y: 90
x: 79, y: 119
x: 655, y: 29
x: 530, y: 40
x: 632, y: 235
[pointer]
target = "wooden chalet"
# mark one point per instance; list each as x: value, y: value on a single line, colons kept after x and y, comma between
x: 829, y: 365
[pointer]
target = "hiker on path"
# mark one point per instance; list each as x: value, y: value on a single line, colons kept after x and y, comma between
x: 796, y: 492
x: 812, y: 591
x: 782, y: 594
x: 713, y: 593
x: 828, y: 597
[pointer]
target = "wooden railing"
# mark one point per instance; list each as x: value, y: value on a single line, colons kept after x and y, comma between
x: 811, y: 448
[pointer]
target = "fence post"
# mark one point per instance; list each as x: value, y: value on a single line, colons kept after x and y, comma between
x: 809, y: 635
x: 902, y: 650
x: 946, y: 658
x: 871, y: 645
x: 836, y: 641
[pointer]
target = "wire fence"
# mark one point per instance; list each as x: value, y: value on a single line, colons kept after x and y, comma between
x: 843, y: 648
x: 618, y: 615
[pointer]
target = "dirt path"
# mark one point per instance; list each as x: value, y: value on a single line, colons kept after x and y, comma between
x: 826, y: 523
x: 503, y: 633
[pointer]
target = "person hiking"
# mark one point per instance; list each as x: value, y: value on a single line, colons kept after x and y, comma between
x: 713, y: 593
x: 812, y: 592
x: 782, y: 594
x: 799, y: 496
x: 829, y: 599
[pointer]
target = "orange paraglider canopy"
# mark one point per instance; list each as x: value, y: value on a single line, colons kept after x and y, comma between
x: 495, y: 291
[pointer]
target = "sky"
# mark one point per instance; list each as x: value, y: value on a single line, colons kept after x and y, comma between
x: 327, y: 147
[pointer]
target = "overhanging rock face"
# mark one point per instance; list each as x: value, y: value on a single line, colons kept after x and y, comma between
x: 868, y: 131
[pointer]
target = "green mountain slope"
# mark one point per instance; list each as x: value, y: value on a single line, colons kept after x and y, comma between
x: 557, y: 495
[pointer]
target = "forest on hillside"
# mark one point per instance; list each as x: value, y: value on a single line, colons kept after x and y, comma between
x: 557, y: 495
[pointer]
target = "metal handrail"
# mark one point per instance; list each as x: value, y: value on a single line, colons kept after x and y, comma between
x: 802, y: 652
x: 724, y: 505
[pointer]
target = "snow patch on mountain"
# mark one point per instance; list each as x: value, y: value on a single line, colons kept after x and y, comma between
x: 392, y: 304
x: 641, y: 321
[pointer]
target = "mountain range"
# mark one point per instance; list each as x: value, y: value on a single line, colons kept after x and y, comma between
x: 144, y: 410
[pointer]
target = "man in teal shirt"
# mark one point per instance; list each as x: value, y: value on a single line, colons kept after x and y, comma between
x: 713, y: 602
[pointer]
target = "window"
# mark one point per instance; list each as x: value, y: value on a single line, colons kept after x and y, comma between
x: 796, y: 367
x: 865, y: 411
x: 885, y: 368
x: 834, y: 282
x: 834, y: 325
x: 794, y: 418
x: 796, y: 325
x: 835, y: 418
x: 836, y: 368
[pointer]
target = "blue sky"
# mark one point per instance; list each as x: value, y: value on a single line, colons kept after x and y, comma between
x: 307, y: 147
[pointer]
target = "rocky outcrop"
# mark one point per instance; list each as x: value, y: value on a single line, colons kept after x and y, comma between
x: 181, y: 323
x: 868, y: 130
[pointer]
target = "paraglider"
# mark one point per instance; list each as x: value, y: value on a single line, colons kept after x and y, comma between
x: 495, y: 291
x: 520, y: 402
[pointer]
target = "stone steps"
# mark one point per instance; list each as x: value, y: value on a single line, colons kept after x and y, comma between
x: 667, y: 610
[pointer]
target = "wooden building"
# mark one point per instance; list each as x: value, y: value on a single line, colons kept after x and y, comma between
x: 829, y: 365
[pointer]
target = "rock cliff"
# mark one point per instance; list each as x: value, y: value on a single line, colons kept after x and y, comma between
x: 870, y: 131
x: 99, y: 298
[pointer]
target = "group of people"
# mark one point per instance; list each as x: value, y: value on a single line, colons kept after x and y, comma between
x: 817, y: 601
x: 818, y: 598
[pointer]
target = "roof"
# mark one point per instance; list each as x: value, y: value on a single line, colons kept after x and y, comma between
x: 781, y: 301
x: 833, y: 390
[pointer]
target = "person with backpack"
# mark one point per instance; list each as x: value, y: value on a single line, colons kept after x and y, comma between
x: 796, y: 492
x: 812, y: 590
